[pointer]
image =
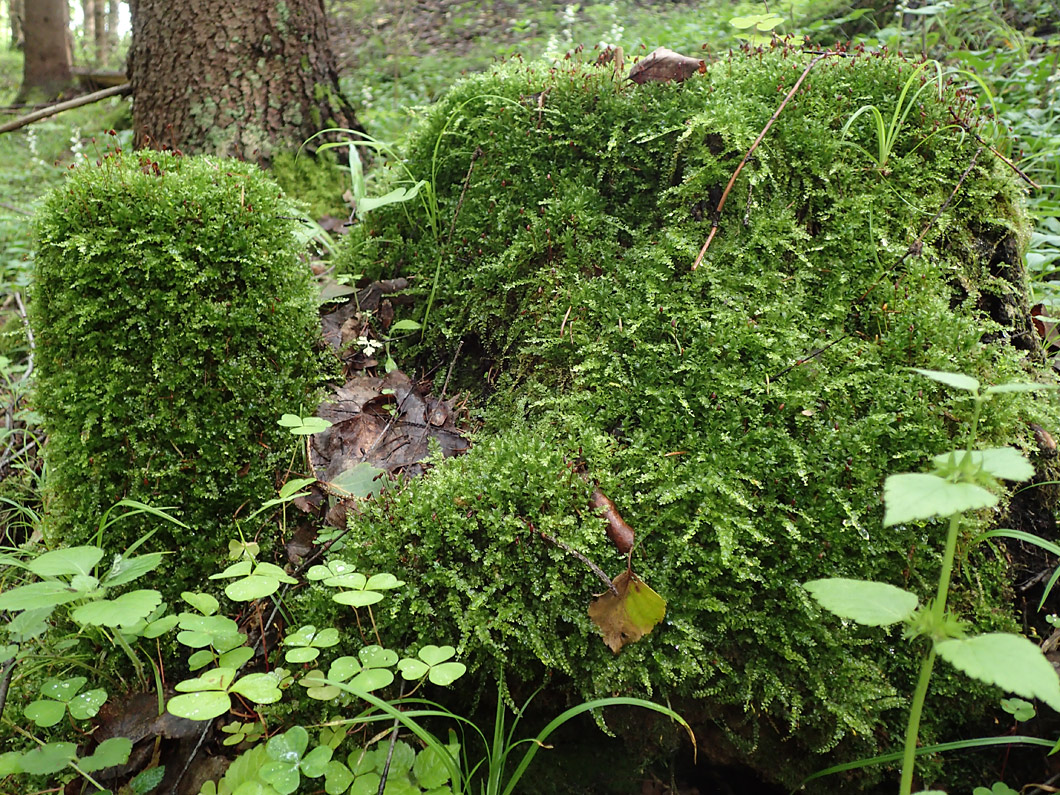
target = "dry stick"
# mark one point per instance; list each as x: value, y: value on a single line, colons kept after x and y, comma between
x: 1019, y: 172
x: 460, y: 202
x: 758, y: 140
x: 51, y: 110
x: 567, y: 548
x: 914, y: 249
x: 452, y: 364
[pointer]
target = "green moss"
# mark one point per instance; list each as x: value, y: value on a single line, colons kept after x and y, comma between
x: 175, y: 323
x: 317, y: 180
x: 742, y: 416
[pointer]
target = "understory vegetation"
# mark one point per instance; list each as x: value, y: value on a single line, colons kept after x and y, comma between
x: 652, y: 408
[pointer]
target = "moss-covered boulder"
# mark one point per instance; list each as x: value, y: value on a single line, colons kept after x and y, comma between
x: 742, y: 415
x: 175, y: 323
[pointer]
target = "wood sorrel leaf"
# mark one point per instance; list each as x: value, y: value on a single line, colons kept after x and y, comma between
x: 919, y: 495
x: 1011, y: 662
x: 874, y: 604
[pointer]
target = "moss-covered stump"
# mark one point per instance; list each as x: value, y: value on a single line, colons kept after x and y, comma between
x: 742, y: 415
x: 175, y: 323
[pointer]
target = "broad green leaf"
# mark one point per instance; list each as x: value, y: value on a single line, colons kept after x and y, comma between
x: 1017, y: 387
x: 215, y: 679
x: 358, y: 480
x: 250, y: 588
x: 343, y: 668
x: 85, y: 705
x: 282, y: 775
x: 29, y: 624
x: 47, y: 759
x: 430, y: 769
x: 206, y: 705
x: 236, y: 658
x: 445, y: 674
x: 1011, y: 662
x: 10, y: 763
x: 201, y: 659
x: 403, y: 758
x: 1003, y: 463
x: 45, y: 712
x: 124, y: 611
x: 334, y: 568
x: 293, y: 486
x: 63, y: 689
x: 368, y: 784
x: 351, y: 579
x: 74, y: 560
x: 956, y: 380
x: 316, y: 761
x: 125, y: 570
x: 317, y: 686
x: 433, y: 655
x: 377, y: 657
x: 108, y: 753
x: 337, y: 778
x: 301, y: 655
x: 405, y: 325
x: 357, y: 598
x: 412, y: 669
x: 874, y: 604
x: 914, y: 496
x: 289, y: 746
x: 383, y: 582
x: 203, y: 602
x: 259, y: 688
x: 372, y: 679
x: 156, y: 629
x: 38, y: 595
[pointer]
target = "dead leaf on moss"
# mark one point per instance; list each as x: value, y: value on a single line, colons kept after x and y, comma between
x: 629, y: 613
x: 663, y: 65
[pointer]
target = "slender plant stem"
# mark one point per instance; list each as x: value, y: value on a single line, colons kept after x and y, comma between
x: 939, y: 608
x: 912, y: 729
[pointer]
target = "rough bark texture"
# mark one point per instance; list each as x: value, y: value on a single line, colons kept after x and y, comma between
x: 243, y: 78
x: 46, y: 71
x: 88, y: 12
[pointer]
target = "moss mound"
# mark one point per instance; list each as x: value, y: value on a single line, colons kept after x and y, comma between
x: 175, y: 324
x: 742, y: 416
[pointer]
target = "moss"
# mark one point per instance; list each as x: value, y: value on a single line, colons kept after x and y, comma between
x: 175, y: 324
x: 317, y: 180
x: 742, y: 415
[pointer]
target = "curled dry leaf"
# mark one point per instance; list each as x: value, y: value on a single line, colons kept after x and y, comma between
x: 663, y: 65
x: 620, y: 533
x: 628, y: 613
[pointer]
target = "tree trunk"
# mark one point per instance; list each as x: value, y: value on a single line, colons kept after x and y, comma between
x: 99, y: 30
x: 46, y: 70
x: 243, y: 78
x: 109, y: 43
x: 16, y: 11
x: 88, y: 39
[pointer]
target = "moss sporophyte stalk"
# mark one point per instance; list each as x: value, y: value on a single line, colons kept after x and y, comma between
x: 742, y: 416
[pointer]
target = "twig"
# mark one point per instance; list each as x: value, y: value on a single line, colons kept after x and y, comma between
x: 758, y: 140
x: 460, y: 202
x: 390, y: 748
x: 449, y: 374
x: 1019, y: 172
x: 29, y: 334
x: 51, y: 110
x: 15, y: 209
x: 567, y: 548
x: 5, y: 682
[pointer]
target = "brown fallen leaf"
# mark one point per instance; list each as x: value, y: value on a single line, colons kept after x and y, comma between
x: 663, y: 65
x: 627, y: 614
x: 620, y: 533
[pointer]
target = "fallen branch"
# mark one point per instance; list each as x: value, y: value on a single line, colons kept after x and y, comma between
x: 758, y: 140
x: 51, y: 110
x: 1019, y: 172
x: 568, y: 548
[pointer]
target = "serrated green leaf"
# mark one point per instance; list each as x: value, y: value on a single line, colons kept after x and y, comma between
x: 148, y: 780
x: 956, y: 380
x: 48, y: 759
x: 1011, y: 662
x: 874, y: 604
x: 73, y: 560
x: 1003, y: 463
x: 124, y: 611
x: 38, y: 595
x: 915, y: 496
x: 109, y: 753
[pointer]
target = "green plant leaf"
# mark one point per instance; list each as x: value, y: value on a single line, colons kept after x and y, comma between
x: 73, y: 560
x: 301, y: 655
x: 1003, y: 463
x: 10, y: 763
x: 156, y: 629
x: 430, y: 768
x: 215, y: 679
x: 236, y: 658
x: 377, y: 657
x: 914, y: 496
x: 368, y: 203
x: 1017, y: 387
x: 293, y: 486
x: 445, y: 674
x: 48, y: 593
x: 405, y: 325
x: 203, y: 602
x: 289, y: 746
x: 251, y: 587
x: 874, y: 604
x: 344, y: 667
x: 205, y: 705
x: 63, y: 689
x: 259, y: 688
x: 49, y: 758
x: 357, y: 598
x: 125, y: 570
x: 358, y: 480
x: 956, y: 380
x: 412, y: 669
x: 337, y: 778
x: 85, y: 705
x: 316, y: 761
x: 45, y: 712
x: 383, y: 582
x: 1018, y: 708
x: 371, y: 679
x: 124, y: 611
x: 109, y: 753
x: 1011, y: 662
x: 148, y: 780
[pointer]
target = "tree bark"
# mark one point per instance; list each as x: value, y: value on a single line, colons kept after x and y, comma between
x: 88, y: 12
x: 242, y: 78
x: 46, y: 69
x: 99, y: 29
x: 16, y: 10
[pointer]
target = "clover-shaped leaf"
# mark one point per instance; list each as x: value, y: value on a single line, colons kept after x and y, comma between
x: 259, y: 688
x: 203, y: 602
x: 308, y: 642
x: 303, y: 426
x: 432, y: 664
x: 318, y: 687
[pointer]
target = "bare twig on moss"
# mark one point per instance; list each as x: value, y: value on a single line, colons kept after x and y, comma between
x: 460, y: 202
x: 569, y: 549
x: 746, y: 157
x: 51, y: 110
x: 1019, y: 172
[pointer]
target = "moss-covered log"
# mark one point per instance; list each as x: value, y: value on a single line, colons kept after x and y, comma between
x: 742, y: 416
